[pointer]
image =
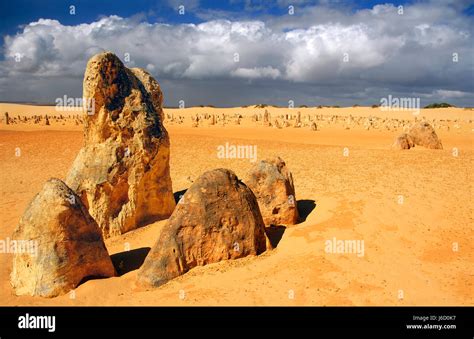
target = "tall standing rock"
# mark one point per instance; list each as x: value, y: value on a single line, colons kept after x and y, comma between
x: 62, y: 245
x: 266, y: 118
x: 122, y: 172
x: 272, y: 183
x: 216, y: 219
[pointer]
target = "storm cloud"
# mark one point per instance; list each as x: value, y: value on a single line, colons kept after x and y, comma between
x: 319, y: 55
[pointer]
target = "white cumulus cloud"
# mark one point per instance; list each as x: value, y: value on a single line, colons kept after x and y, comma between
x: 369, y: 48
x: 257, y: 72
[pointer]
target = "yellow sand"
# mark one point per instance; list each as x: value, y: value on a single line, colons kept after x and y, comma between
x: 408, y: 246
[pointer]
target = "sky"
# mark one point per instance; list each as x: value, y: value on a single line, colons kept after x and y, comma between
x: 243, y: 52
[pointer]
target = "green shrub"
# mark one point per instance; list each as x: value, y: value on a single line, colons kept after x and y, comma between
x: 440, y: 105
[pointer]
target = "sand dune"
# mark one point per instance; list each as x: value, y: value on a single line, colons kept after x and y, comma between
x: 409, y: 207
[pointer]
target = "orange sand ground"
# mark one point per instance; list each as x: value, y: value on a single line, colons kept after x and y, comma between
x: 408, y: 246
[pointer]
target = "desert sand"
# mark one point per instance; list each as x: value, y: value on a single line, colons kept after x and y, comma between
x: 413, y: 208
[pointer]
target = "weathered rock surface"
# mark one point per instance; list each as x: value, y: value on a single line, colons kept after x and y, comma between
x: 65, y: 244
x: 272, y: 183
x: 423, y: 134
x: 216, y: 219
x: 403, y: 141
x: 122, y: 172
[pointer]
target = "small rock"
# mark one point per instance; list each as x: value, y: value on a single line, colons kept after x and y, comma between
x: 403, y: 141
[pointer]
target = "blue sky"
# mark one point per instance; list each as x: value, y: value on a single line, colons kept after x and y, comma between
x: 282, y: 57
x: 25, y: 11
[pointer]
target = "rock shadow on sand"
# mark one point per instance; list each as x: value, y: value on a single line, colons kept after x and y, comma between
x: 179, y: 194
x: 305, y: 207
x: 274, y: 234
x: 90, y: 277
x: 128, y: 261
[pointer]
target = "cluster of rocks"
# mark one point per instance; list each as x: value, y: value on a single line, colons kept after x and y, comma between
x: 265, y: 119
x: 219, y: 218
x: 314, y: 122
x: 120, y: 180
x: 206, y: 119
x: 45, y: 120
